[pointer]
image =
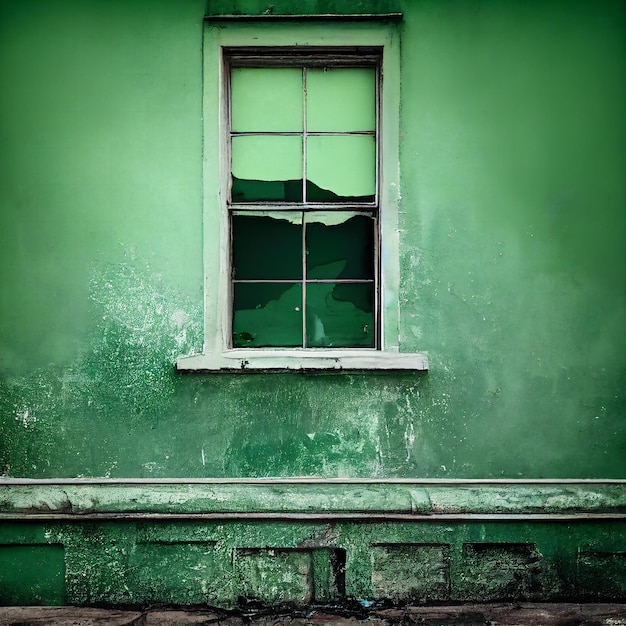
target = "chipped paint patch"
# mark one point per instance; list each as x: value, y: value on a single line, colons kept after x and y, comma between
x: 26, y: 418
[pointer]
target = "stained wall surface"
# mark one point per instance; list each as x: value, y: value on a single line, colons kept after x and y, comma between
x: 513, y: 149
x: 512, y: 264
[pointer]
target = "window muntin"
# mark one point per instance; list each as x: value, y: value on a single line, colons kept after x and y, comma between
x: 303, y: 148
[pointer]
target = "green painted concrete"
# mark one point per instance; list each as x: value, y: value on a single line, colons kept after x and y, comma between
x: 512, y: 261
x: 512, y: 222
x: 272, y: 498
x: 251, y: 564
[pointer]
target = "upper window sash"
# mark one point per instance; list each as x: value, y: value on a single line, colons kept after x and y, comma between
x: 303, y: 133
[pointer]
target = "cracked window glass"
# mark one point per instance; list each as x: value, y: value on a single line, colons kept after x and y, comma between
x: 342, y: 166
x: 266, y: 168
x: 303, y: 194
x: 339, y: 245
x: 294, y: 270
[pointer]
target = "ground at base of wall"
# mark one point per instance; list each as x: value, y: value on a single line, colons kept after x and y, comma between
x: 522, y: 614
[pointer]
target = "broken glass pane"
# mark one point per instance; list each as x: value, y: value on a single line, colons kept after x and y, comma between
x: 266, y: 168
x: 267, y: 314
x: 266, y: 99
x: 341, y: 99
x: 267, y: 247
x: 342, y: 166
x: 339, y: 244
x: 340, y: 315
x: 266, y: 191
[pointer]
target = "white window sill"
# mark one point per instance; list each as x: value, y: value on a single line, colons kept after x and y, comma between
x: 245, y: 360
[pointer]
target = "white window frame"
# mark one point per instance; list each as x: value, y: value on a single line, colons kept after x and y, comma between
x: 217, y: 354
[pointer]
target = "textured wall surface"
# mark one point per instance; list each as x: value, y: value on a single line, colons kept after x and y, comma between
x: 512, y: 259
x: 251, y: 564
x: 512, y: 225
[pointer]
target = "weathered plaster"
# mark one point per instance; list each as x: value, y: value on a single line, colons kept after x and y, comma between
x: 365, y: 499
x: 218, y: 563
x: 103, y: 279
x: 511, y: 259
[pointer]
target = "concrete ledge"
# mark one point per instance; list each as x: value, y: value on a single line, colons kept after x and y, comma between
x: 313, y: 499
x: 526, y: 614
x: 262, y: 360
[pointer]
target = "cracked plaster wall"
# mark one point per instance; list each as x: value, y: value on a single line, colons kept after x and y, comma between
x: 512, y: 157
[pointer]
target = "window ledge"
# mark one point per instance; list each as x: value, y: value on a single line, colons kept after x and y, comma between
x: 242, y: 360
x: 306, y: 17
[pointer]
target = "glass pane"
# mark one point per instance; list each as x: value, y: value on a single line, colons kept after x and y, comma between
x: 339, y: 245
x: 267, y: 168
x: 266, y: 99
x: 340, y: 315
x: 267, y: 247
x: 267, y: 314
x: 341, y: 99
x: 341, y: 168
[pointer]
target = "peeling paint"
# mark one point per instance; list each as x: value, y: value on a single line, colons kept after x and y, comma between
x: 25, y: 418
x: 512, y: 176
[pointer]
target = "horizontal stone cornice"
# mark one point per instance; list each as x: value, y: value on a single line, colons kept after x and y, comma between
x: 312, y: 499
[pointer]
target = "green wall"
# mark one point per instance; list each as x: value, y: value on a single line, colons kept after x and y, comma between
x: 512, y: 259
x: 143, y: 563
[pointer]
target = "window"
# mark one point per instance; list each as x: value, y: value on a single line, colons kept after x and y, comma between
x: 301, y: 198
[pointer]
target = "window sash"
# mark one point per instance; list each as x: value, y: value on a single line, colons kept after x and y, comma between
x: 305, y: 59
x: 359, y: 273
